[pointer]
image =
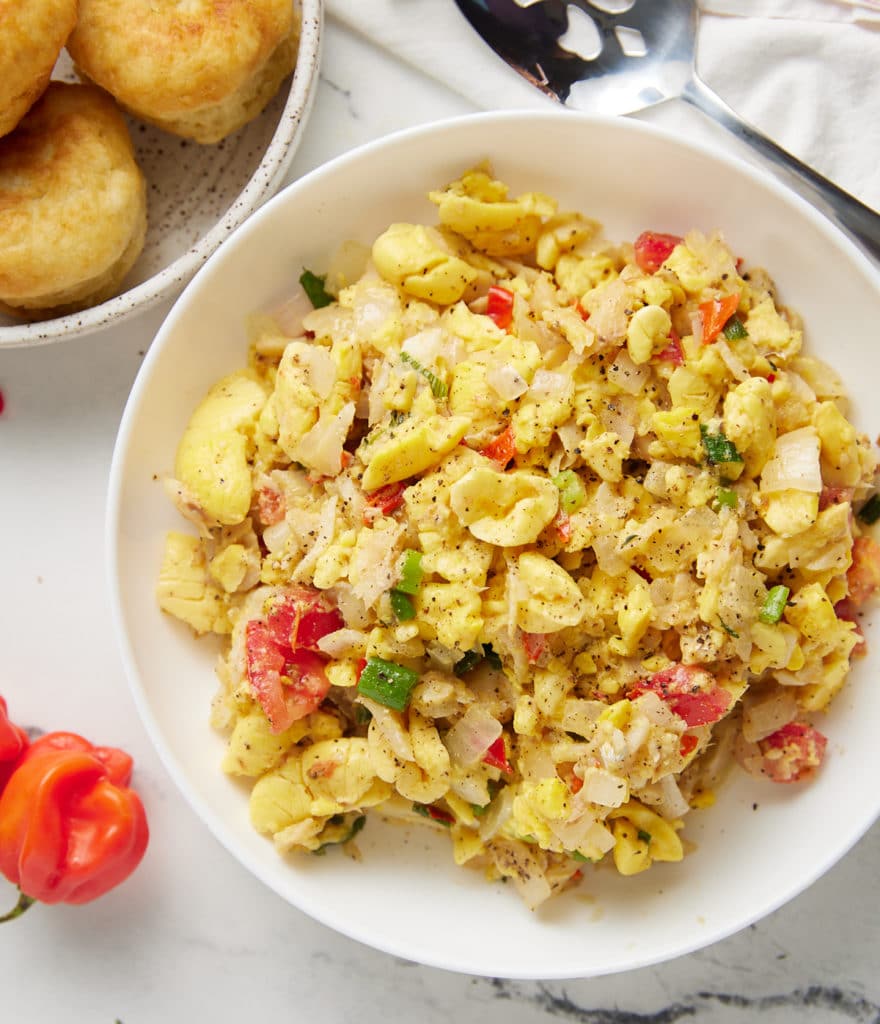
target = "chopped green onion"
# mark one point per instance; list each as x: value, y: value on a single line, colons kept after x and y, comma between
x: 870, y: 512
x: 718, y: 447
x: 411, y: 572
x: 402, y: 606
x: 774, y: 604
x: 470, y: 660
x: 338, y: 819
x: 577, y: 855
x: 734, y: 329
x: 629, y: 539
x: 727, y: 629
x: 493, y: 659
x: 572, y: 493
x: 387, y: 683
x: 314, y: 288
x: 362, y: 715
x: 644, y: 836
x: 438, y: 387
x: 434, y: 813
x: 726, y: 498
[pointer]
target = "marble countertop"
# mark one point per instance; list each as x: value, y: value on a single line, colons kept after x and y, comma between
x: 192, y: 936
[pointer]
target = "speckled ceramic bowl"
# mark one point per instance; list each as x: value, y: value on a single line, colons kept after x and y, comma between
x: 197, y: 195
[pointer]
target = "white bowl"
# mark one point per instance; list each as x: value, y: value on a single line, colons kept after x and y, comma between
x: 196, y: 195
x: 762, y: 843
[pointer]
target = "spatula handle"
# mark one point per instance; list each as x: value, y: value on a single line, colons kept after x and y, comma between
x: 860, y: 220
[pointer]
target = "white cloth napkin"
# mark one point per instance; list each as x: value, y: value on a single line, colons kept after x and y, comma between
x: 805, y: 72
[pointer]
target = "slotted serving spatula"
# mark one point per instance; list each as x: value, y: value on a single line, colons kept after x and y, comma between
x: 645, y: 53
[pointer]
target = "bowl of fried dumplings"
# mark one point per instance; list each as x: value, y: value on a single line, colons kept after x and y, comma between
x: 491, y: 550
x: 127, y: 156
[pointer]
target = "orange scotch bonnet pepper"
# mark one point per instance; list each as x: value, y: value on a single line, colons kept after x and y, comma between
x: 13, y: 743
x: 70, y: 828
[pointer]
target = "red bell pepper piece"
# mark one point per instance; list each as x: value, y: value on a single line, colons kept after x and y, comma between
x: 496, y: 756
x: 13, y: 743
x: 385, y: 499
x: 652, y: 249
x: 500, y: 306
x: 70, y: 828
x: 689, y: 692
x: 715, y: 313
x: 503, y: 448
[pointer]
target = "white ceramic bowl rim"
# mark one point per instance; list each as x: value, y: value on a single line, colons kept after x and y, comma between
x: 403, y: 945
x: 262, y: 184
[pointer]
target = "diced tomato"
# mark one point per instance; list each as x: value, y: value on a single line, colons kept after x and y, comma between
x: 863, y: 576
x: 673, y: 353
x: 792, y: 753
x: 652, y: 249
x: 300, y: 616
x: 500, y: 306
x: 387, y: 499
x: 690, y: 693
x: 496, y: 756
x: 502, y: 449
x: 834, y: 495
x: 715, y: 313
x: 270, y: 506
x: 361, y: 665
x: 562, y: 522
x: 847, y: 611
x: 688, y: 744
x: 265, y: 662
x: 284, y: 667
x: 535, y: 644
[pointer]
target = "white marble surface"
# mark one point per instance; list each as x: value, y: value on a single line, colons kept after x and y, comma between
x: 191, y: 936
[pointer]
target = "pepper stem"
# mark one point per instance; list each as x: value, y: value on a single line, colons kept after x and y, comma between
x: 24, y: 902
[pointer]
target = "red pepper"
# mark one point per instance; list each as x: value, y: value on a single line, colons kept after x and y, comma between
x: 715, y: 313
x: 13, y: 743
x: 496, y: 756
x: 70, y: 828
x: 652, y: 249
x: 562, y: 522
x: 500, y: 306
x: 687, y: 744
x: 503, y: 448
x: 386, y: 499
x: 673, y: 353
x: 534, y: 643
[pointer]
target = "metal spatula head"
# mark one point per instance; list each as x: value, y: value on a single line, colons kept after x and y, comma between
x: 604, y: 56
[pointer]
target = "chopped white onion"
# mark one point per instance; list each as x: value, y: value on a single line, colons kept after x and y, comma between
x: 620, y: 417
x: 506, y: 382
x: 697, y: 327
x: 322, y: 541
x: 605, y: 788
x: 344, y: 643
x: 497, y: 815
x: 624, y: 374
x: 794, y: 464
x: 761, y: 718
x: 732, y: 361
x: 276, y: 535
x: 320, y: 448
x: 549, y: 384
x: 426, y: 347
x: 471, y: 736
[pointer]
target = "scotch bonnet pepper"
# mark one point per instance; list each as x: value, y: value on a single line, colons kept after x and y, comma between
x: 13, y: 743
x: 70, y: 827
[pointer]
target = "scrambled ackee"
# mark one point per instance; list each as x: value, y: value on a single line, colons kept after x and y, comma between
x: 526, y: 534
